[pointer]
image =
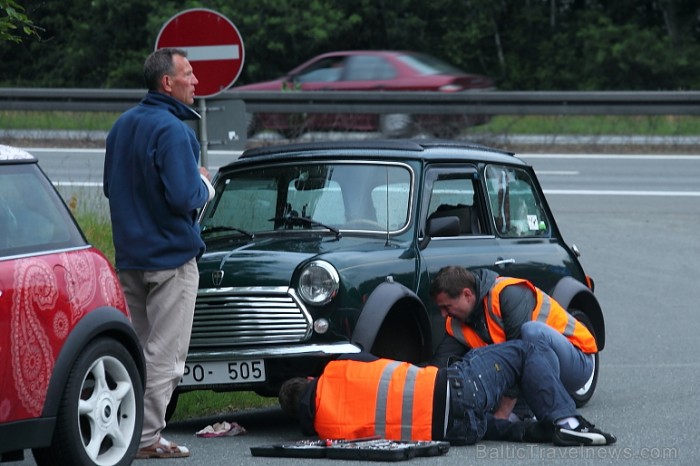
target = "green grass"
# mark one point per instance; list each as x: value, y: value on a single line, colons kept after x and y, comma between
x: 87, y: 121
x: 204, y: 403
x: 662, y: 125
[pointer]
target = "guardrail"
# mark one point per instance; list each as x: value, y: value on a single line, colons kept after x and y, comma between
x: 469, y: 103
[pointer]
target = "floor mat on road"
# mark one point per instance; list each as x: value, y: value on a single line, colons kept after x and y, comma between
x: 369, y: 450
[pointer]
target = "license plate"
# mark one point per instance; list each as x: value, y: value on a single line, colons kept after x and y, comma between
x: 223, y: 372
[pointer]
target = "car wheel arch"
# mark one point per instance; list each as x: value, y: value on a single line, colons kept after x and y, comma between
x: 572, y: 294
x: 103, y: 321
x: 389, y: 301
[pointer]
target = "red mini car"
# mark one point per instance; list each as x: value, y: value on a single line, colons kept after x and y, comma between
x: 71, y: 367
x: 371, y: 71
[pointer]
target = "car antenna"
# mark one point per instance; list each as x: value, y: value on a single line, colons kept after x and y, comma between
x: 386, y: 223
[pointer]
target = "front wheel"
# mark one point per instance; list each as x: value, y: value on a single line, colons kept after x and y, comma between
x: 401, y: 338
x: 100, y: 417
x: 583, y: 394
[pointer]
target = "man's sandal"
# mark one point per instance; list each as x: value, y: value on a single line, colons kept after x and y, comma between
x: 163, y: 449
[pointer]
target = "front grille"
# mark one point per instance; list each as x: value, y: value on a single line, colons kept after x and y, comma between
x: 248, y: 316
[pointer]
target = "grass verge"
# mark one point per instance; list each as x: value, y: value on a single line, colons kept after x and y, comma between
x: 205, y: 403
x: 661, y: 125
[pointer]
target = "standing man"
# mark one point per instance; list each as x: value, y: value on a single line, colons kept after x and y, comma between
x: 483, y: 308
x: 155, y: 187
x: 359, y: 395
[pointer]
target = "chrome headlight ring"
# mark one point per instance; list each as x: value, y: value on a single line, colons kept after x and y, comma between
x: 318, y: 283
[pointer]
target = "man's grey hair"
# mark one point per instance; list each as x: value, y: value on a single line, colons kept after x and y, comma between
x: 157, y: 65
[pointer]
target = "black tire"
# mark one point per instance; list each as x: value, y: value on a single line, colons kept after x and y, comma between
x: 584, y: 394
x: 400, y: 338
x: 100, y: 417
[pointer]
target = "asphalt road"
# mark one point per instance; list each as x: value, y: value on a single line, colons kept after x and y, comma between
x: 636, y: 221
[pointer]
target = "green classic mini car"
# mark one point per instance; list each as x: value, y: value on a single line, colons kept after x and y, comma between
x: 319, y: 249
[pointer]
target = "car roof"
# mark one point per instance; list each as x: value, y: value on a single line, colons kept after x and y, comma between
x: 10, y: 154
x: 369, y: 52
x: 391, y: 149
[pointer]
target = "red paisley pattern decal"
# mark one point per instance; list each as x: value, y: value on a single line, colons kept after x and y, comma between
x: 32, y: 358
x: 61, y: 325
x: 110, y: 288
x: 80, y: 281
x: 48, y: 296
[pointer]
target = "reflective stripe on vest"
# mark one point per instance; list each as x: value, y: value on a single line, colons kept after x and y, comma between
x: 546, y: 310
x: 391, y: 399
x: 406, y: 405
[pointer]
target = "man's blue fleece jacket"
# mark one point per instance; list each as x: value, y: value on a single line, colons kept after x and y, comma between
x: 152, y: 180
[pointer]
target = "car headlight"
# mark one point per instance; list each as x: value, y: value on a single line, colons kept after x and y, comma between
x: 318, y: 283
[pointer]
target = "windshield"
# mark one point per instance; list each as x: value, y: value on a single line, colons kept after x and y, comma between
x: 344, y: 196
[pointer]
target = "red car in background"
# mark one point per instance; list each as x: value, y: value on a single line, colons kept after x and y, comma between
x: 371, y: 71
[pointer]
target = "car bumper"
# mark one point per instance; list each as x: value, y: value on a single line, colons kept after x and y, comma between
x: 285, y: 351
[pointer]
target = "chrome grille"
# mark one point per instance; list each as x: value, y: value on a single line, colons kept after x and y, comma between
x: 248, y: 316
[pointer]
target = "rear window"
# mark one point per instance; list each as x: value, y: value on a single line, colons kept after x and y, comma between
x: 32, y: 216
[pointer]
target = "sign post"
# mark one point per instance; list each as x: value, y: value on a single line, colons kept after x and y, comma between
x: 214, y: 49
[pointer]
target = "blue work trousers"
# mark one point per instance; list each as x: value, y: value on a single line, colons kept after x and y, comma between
x: 573, y: 365
x: 478, y: 381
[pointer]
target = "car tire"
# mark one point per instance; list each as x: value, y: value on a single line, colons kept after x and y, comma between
x: 100, y: 417
x: 397, y: 327
x: 585, y: 393
x: 395, y: 125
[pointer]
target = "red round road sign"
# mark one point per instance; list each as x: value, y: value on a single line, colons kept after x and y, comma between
x: 213, y: 44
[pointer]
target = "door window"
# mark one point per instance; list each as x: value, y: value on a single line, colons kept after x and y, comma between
x: 452, y: 194
x: 516, y: 207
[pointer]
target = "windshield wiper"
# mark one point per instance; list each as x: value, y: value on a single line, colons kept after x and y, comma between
x: 291, y: 220
x: 208, y: 229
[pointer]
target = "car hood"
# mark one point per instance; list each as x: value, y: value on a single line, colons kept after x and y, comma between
x: 271, y: 261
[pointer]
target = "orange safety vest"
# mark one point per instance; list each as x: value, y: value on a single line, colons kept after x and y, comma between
x: 546, y: 310
x: 390, y: 399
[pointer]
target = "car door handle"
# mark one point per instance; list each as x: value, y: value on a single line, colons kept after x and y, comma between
x: 502, y: 262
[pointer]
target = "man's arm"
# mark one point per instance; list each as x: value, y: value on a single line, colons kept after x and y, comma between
x: 505, y: 407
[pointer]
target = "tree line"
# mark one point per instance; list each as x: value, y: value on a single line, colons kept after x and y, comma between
x: 521, y: 44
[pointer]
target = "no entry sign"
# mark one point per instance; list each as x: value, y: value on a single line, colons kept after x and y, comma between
x: 213, y: 44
